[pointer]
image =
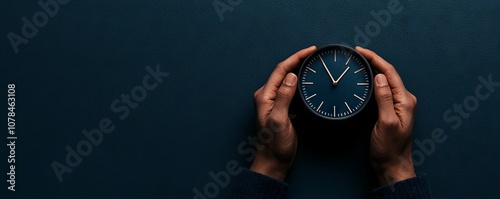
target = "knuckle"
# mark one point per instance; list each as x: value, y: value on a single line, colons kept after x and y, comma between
x: 385, y: 96
x: 283, y: 63
x: 390, y: 122
x: 256, y: 95
x: 414, y: 99
x: 410, y: 103
x: 277, y: 123
x: 284, y: 93
x: 281, y: 66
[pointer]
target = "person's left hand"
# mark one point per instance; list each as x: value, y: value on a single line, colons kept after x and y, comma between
x: 272, y: 101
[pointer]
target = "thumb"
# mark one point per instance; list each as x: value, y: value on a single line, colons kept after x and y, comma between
x: 383, y: 96
x: 285, y: 94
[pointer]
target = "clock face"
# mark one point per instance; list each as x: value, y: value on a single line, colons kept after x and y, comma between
x: 335, y: 82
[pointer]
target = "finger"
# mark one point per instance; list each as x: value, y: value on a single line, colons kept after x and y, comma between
x: 286, y: 66
x: 263, y: 109
x: 284, y: 96
x: 385, y: 68
x: 383, y: 96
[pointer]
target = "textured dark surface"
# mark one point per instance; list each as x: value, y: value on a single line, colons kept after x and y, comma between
x: 88, y: 54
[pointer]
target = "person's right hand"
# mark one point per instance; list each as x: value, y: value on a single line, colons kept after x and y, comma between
x: 391, y: 139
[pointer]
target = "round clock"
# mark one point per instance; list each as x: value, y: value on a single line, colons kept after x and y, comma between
x: 335, y: 82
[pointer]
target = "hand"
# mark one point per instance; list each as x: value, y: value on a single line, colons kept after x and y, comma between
x: 391, y: 139
x: 272, y: 101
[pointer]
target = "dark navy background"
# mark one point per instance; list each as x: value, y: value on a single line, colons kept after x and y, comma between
x: 91, y: 52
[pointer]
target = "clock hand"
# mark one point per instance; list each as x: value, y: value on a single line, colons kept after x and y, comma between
x: 336, y: 82
x: 326, y: 68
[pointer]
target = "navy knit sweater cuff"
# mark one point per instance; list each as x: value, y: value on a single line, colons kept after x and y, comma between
x: 411, y: 188
x: 250, y: 184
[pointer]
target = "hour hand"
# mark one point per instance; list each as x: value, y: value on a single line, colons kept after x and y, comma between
x: 327, y: 71
x: 342, y: 75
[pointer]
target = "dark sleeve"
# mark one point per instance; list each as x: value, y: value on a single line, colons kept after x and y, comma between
x: 411, y: 188
x: 250, y: 184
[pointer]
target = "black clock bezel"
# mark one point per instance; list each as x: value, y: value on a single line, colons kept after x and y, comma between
x: 332, y: 47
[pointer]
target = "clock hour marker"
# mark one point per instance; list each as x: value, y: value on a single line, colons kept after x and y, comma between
x: 308, y: 98
x: 359, y: 97
x: 321, y: 98
x: 349, y: 59
x: 309, y: 68
x: 359, y: 70
x: 321, y: 104
x: 350, y: 111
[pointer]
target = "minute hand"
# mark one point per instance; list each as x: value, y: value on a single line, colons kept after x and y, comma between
x: 336, y: 82
x: 327, y: 71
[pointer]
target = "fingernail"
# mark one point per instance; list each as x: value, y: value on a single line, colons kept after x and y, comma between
x: 360, y: 47
x: 290, y: 79
x: 381, y: 80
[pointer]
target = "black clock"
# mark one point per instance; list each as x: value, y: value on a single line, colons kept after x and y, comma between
x: 335, y: 82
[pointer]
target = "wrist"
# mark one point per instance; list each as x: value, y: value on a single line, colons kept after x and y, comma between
x: 270, y: 168
x: 392, y: 173
x: 392, y: 176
